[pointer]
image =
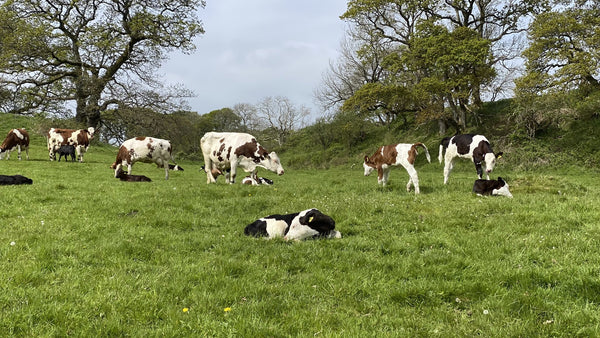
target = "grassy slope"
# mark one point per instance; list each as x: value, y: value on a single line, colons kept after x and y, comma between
x: 96, y: 256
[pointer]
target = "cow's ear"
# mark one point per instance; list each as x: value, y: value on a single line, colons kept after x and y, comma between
x: 499, y: 155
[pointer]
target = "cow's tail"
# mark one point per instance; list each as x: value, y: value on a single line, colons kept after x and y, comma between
x: 426, y: 151
x: 443, y: 145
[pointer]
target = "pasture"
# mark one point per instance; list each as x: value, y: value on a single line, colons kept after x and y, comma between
x: 84, y: 254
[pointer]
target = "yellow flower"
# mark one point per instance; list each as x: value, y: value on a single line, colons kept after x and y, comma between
x: 227, y: 309
x: 185, y: 309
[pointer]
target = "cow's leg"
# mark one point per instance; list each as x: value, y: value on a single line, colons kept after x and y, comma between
x: 447, y: 167
x: 166, y: 170
x: 380, y: 175
x: 232, y: 173
x: 414, y: 179
x: 117, y: 168
x: 386, y: 175
x: 19, y: 151
x: 479, y: 170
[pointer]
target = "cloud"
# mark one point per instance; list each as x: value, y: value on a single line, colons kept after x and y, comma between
x: 255, y: 49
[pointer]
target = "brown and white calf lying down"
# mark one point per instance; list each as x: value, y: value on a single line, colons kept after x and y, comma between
x: 123, y: 176
x: 14, y: 180
x: 310, y: 223
x: 393, y: 155
x: 491, y: 187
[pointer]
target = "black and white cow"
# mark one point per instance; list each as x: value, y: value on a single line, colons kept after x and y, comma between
x: 492, y: 187
x: 310, y: 223
x: 249, y: 180
x: 223, y: 151
x: 474, y: 147
x: 14, y: 180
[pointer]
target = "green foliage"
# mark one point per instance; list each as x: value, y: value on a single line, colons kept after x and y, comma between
x: 563, y: 53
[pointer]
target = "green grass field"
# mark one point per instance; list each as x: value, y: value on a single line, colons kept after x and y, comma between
x: 84, y: 254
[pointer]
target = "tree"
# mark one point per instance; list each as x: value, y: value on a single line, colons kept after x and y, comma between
x: 282, y: 116
x: 96, y: 53
x: 565, y: 50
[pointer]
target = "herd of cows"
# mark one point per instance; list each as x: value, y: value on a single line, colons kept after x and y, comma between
x: 223, y: 153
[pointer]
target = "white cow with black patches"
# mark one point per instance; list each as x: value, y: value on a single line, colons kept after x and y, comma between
x: 222, y: 151
x: 310, y: 223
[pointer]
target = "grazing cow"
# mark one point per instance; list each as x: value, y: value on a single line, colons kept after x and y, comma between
x: 403, y: 154
x: 123, y: 176
x: 309, y: 223
x: 79, y: 138
x: 143, y: 149
x: 16, y: 138
x: 230, y: 150
x: 256, y: 181
x: 474, y: 147
x: 66, y: 150
x: 491, y: 187
x: 14, y: 179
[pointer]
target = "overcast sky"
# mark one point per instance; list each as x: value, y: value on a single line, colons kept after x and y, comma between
x: 259, y: 48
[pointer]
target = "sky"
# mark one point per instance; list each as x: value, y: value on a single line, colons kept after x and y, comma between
x: 255, y: 49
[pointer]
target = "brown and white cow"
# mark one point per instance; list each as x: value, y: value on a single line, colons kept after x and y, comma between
x: 470, y: 146
x: 143, y: 149
x: 403, y: 154
x: 230, y: 150
x: 16, y: 138
x: 79, y: 138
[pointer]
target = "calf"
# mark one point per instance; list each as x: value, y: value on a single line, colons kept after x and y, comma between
x: 474, y: 147
x: 310, y: 223
x: 256, y: 181
x: 66, y: 150
x: 14, y: 180
x: 491, y: 187
x: 392, y: 155
x: 123, y: 176
x: 174, y: 167
x: 143, y: 149
x: 16, y: 138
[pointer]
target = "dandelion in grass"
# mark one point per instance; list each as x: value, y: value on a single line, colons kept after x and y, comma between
x: 227, y: 309
x: 185, y: 309
x: 486, y: 312
x: 13, y: 243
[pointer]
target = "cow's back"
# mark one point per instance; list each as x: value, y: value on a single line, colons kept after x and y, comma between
x: 221, y: 146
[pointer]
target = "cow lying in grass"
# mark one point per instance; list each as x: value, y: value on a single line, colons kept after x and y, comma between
x: 491, y: 187
x: 123, y: 176
x: 392, y: 155
x: 14, y: 180
x: 309, y: 223
x: 256, y: 181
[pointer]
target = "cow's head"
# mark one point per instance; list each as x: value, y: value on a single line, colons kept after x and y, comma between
x: 272, y: 163
x: 311, y: 223
x: 368, y: 165
x: 490, y: 161
x: 91, y: 131
x: 502, y: 189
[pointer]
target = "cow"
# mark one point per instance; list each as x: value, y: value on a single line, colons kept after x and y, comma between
x: 310, y: 223
x: 14, y: 179
x: 230, y: 150
x: 79, y: 138
x: 123, y: 176
x: 249, y: 180
x: 143, y: 149
x: 16, y: 138
x: 470, y: 146
x: 491, y: 187
x: 65, y: 151
x: 385, y: 157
